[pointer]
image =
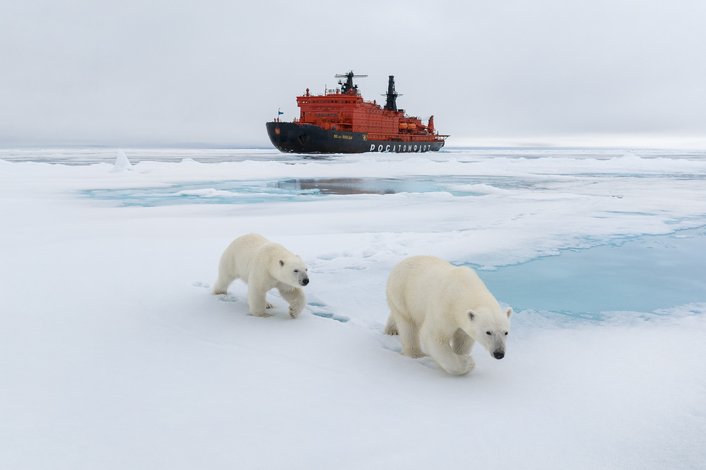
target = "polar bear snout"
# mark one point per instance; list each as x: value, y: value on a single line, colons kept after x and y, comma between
x: 304, y: 281
x: 498, y: 354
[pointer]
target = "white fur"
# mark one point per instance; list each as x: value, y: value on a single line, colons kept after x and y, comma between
x: 439, y: 310
x: 263, y: 265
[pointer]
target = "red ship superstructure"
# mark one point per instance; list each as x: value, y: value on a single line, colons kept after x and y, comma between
x: 341, y: 121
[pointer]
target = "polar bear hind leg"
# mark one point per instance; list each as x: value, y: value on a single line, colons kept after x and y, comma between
x: 409, y: 334
x: 222, y: 283
x: 409, y: 337
x: 391, y: 326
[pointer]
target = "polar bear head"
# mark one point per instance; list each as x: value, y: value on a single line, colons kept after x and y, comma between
x: 292, y: 271
x: 490, y: 327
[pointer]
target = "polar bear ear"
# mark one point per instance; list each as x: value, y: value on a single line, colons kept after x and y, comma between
x: 471, y: 315
x: 281, y: 263
x: 508, y: 312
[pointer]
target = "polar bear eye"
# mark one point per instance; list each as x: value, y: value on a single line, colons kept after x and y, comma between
x: 506, y: 333
x: 296, y: 270
x: 488, y: 333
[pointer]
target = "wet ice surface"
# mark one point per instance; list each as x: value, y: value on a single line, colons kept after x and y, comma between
x: 293, y: 190
x: 641, y: 274
x: 108, y: 329
x: 586, y: 279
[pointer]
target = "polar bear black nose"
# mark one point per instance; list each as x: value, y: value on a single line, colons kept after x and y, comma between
x: 499, y: 354
x: 305, y: 281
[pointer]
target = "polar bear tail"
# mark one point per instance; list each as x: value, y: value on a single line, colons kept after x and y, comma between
x: 391, y: 327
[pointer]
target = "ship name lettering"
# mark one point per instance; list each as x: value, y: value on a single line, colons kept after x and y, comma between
x: 394, y: 147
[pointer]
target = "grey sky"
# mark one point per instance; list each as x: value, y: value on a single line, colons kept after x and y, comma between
x: 213, y: 72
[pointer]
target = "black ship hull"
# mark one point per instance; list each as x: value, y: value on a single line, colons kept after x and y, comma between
x: 292, y: 137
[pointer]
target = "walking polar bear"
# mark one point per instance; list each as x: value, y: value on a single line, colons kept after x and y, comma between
x: 439, y: 310
x: 263, y: 265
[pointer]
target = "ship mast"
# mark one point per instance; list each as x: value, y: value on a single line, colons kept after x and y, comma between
x: 348, y: 87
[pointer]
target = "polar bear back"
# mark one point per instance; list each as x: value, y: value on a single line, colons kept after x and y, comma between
x: 249, y: 253
x: 423, y: 286
x: 239, y: 257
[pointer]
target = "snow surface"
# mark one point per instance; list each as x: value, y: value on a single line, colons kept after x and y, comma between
x: 114, y: 355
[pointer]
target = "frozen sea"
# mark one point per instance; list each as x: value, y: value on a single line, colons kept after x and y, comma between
x: 113, y: 353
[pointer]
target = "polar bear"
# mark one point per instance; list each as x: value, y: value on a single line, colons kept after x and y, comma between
x: 263, y: 265
x: 439, y: 310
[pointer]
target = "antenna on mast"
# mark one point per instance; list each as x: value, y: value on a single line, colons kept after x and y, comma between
x: 348, y: 86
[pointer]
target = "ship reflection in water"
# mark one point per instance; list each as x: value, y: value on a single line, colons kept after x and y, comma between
x: 302, y: 189
x: 349, y: 186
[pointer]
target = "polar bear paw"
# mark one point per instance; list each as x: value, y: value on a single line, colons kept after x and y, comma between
x: 413, y: 352
x: 294, y: 311
x: 466, y: 364
x: 261, y: 314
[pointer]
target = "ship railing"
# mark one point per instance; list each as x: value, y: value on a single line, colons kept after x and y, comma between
x: 407, y: 137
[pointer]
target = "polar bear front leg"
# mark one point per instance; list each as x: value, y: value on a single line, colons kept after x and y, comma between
x: 462, y: 343
x: 438, y: 346
x: 257, y: 302
x: 295, y: 298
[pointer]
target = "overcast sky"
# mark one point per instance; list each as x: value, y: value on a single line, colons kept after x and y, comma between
x: 167, y: 72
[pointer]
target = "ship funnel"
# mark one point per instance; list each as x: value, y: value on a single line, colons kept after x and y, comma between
x: 391, y: 103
